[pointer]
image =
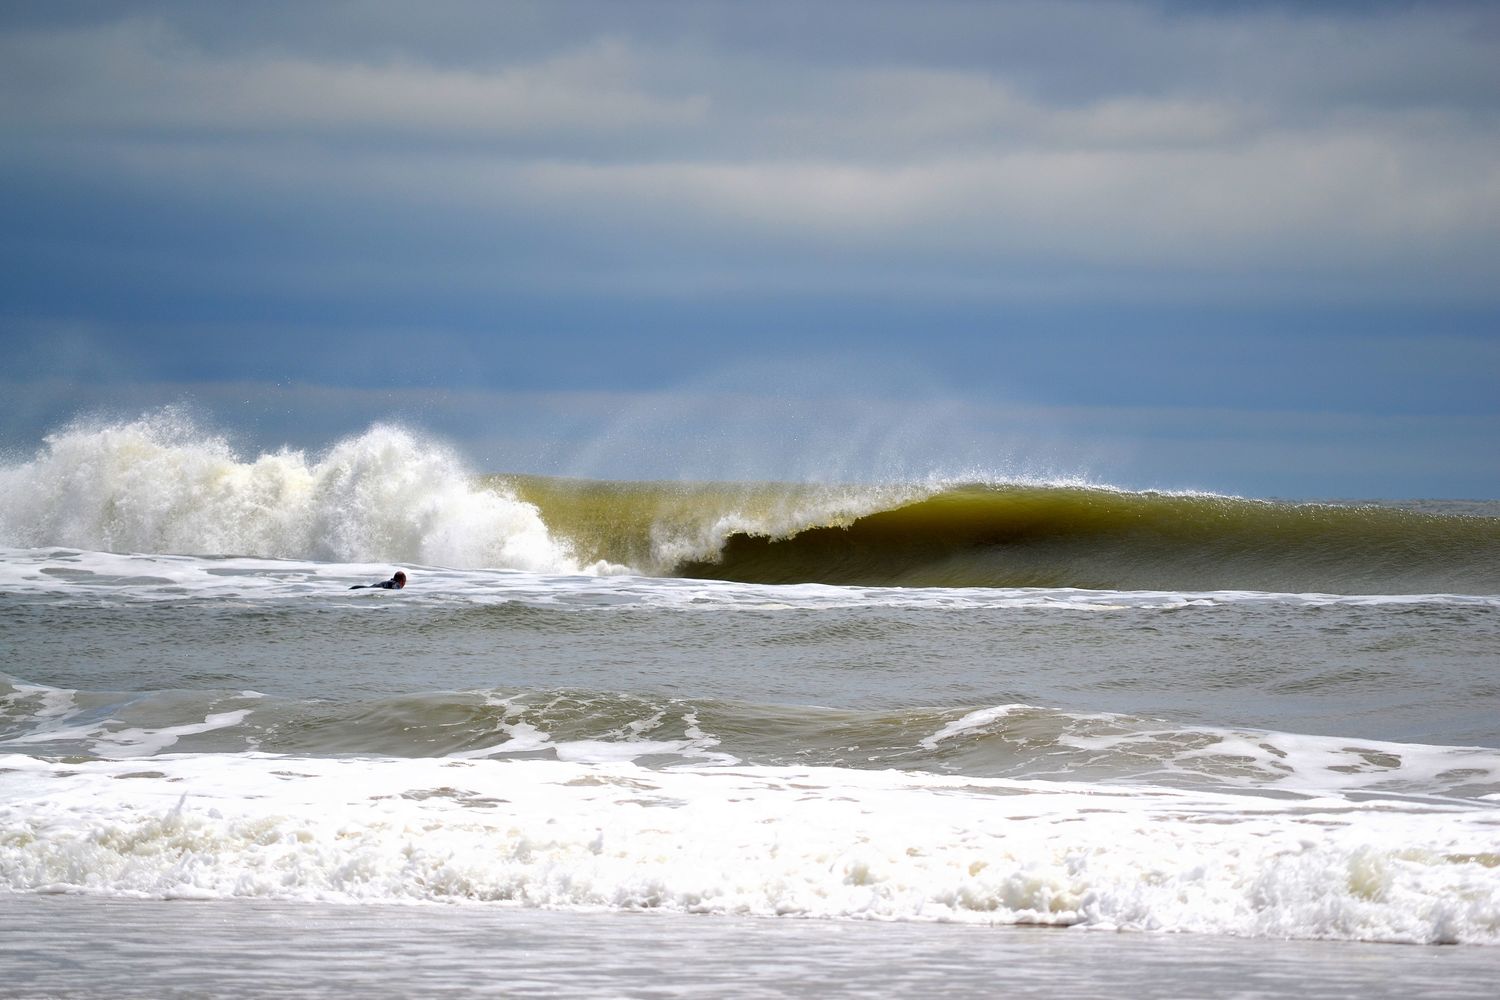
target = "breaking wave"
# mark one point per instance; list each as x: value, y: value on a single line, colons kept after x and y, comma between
x: 160, y: 485
x: 1020, y: 535
x: 1089, y: 537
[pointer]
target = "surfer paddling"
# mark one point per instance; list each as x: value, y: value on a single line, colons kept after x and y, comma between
x: 394, y: 583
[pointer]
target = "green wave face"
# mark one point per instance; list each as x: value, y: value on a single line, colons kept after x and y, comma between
x: 1016, y: 536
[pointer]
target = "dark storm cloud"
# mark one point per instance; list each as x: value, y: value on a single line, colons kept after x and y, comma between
x: 1289, y: 207
x: 970, y: 146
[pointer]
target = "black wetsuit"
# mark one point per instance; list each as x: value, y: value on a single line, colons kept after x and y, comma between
x: 391, y: 584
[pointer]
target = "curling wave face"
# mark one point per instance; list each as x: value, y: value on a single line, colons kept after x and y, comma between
x: 1021, y: 535
x: 1106, y: 539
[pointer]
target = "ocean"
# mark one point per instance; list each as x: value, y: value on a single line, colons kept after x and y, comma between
x: 973, y: 734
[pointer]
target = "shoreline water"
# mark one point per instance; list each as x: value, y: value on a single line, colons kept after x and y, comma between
x: 167, y: 949
x: 252, y: 949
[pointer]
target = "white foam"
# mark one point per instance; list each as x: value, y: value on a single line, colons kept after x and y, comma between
x: 116, y: 744
x: 1292, y: 762
x: 778, y: 517
x: 48, y: 702
x: 971, y: 722
x: 520, y: 737
x: 626, y: 745
x: 813, y: 842
x: 95, y: 575
x: 142, y: 742
x: 159, y: 485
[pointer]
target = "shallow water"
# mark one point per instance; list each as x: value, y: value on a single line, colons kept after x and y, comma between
x: 143, y: 948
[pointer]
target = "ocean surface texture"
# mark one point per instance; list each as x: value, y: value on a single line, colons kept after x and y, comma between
x: 754, y: 734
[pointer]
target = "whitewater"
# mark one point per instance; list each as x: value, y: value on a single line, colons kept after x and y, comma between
x: 159, y: 485
x: 851, y: 734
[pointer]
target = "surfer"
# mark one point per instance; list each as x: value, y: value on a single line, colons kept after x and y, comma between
x: 394, y: 583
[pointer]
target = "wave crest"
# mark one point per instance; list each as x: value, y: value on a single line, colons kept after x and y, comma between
x: 158, y: 484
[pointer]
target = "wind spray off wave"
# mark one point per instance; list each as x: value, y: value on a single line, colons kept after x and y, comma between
x: 159, y: 484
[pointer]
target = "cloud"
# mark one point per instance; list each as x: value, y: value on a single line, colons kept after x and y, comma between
x: 1250, y: 150
x: 1158, y: 242
x: 141, y: 76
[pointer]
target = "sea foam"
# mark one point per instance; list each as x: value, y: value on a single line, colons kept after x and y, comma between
x: 755, y: 841
x: 160, y: 485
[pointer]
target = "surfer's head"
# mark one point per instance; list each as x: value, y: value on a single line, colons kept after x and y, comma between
x: 399, y: 579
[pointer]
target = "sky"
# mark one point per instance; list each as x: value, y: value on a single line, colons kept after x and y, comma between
x: 1250, y: 248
